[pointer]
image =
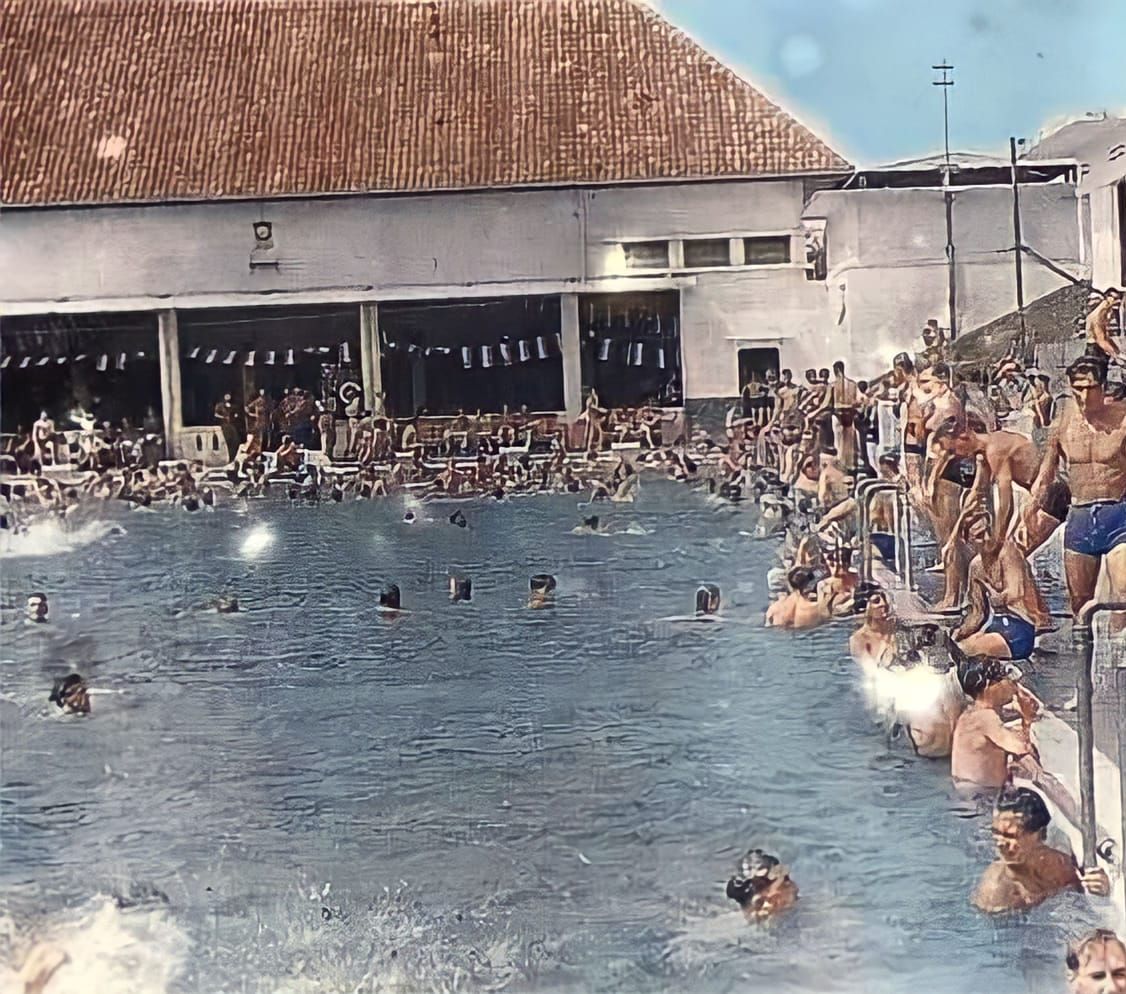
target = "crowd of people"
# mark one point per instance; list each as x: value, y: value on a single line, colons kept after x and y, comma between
x: 990, y: 462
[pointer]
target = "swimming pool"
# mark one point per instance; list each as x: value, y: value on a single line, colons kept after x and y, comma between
x: 473, y: 796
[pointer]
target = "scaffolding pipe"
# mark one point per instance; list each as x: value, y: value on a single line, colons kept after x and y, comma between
x: 1083, y: 632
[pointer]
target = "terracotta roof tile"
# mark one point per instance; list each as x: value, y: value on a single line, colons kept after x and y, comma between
x: 107, y: 101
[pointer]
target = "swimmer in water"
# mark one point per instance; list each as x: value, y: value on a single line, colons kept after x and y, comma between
x: 37, y: 608
x: 409, y: 518
x: 707, y: 600
x: 874, y: 641
x: 227, y: 605
x: 71, y: 695
x: 1028, y: 871
x: 1097, y: 964
x: 461, y: 589
x: 762, y: 887
x: 590, y: 526
x: 390, y: 599
x: 541, y: 590
x: 458, y: 519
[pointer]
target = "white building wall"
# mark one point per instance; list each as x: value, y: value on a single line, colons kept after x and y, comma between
x: 887, y: 264
x: 1106, y: 238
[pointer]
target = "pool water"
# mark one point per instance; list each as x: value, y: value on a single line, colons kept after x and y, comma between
x: 470, y: 796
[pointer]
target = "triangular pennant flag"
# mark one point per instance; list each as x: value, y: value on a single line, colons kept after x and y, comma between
x: 211, y: 356
x: 250, y: 358
x: 604, y: 350
x: 60, y: 360
x: 524, y: 350
x: 80, y: 357
x: 4, y: 362
x: 505, y: 353
x: 102, y: 363
x: 230, y: 358
x: 345, y: 355
x: 289, y: 357
x: 25, y: 362
x: 121, y: 361
x: 486, y: 356
x: 43, y: 361
x: 467, y: 357
x: 194, y: 354
x: 541, y: 346
x: 270, y: 358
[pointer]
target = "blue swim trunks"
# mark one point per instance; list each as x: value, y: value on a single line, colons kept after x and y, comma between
x: 1019, y: 635
x: 1095, y: 529
x: 885, y: 546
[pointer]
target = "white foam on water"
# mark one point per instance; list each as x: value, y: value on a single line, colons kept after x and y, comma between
x: 49, y: 536
x: 138, y: 951
x: 257, y: 541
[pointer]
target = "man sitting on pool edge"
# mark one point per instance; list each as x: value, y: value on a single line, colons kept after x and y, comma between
x: 1028, y: 871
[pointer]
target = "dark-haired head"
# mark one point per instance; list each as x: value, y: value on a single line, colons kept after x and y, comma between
x: 1027, y: 805
x: 801, y: 578
x: 542, y: 583
x: 978, y: 673
x: 390, y: 597
x: 707, y: 599
x: 903, y: 362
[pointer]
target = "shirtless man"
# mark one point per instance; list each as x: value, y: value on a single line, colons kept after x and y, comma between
x: 786, y: 396
x: 844, y: 403
x: 1008, y: 458
x: 1097, y: 964
x: 259, y: 413
x: 43, y: 434
x: 1099, y: 338
x: 874, y: 641
x: 1089, y: 436
x: 226, y: 413
x: 1005, y: 609
x: 983, y: 744
x: 1028, y: 871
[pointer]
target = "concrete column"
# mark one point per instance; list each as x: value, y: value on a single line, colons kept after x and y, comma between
x: 168, y: 348
x: 371, y: 356
x: 572, y: 356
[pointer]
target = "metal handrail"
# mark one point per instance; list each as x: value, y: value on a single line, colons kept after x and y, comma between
x: 1083, y: 632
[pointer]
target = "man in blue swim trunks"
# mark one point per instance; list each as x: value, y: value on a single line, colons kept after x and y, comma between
x: 1005, y: 608
x: 1089, y: 437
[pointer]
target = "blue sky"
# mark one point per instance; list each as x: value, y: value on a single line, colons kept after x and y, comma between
x: 858, y: 71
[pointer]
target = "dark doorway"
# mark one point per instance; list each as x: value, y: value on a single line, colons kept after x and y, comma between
x: 754, y: 364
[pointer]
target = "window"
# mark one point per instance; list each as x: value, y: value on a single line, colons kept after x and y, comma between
x: 646, y: 255
x: 766, y: 251
x: 701, y: 253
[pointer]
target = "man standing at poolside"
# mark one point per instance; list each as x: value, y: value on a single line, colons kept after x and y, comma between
x: 1089, y: 436
x: 1099, y: 337
x: 226, y: 414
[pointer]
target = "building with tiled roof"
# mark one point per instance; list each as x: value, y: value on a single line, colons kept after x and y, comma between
x: 457, y: 203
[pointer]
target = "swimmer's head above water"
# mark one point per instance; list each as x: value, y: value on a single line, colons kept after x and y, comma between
x: 707, y: 599
x: 1097, y: 964
x: 761, y: 885
x: 1020, y: 824
x: 390, y: 598
x: 461, y: 589
x: 987, y: 680
x: 227, y: 604
x: 70, y: 694
x: 540, y: 589
x: 37, y: 607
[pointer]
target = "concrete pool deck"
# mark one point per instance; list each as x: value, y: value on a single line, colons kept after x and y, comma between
x: 1058, y: 744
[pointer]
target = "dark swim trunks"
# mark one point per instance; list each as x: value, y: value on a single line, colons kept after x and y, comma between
x: 885, y: 546
x: 914, y: 449
x: 1056, y: 500
x: 961, y: 471
x: 1095, y: 529
x: 1019, y: 635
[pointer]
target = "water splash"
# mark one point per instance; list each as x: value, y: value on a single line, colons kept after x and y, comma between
x: 138, y: 951
x: 52, y: 536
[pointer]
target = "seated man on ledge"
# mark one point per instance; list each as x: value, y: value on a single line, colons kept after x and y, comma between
x: 1028, y: 871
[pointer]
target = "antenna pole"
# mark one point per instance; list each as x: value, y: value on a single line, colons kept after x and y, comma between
x: 946, y: 82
